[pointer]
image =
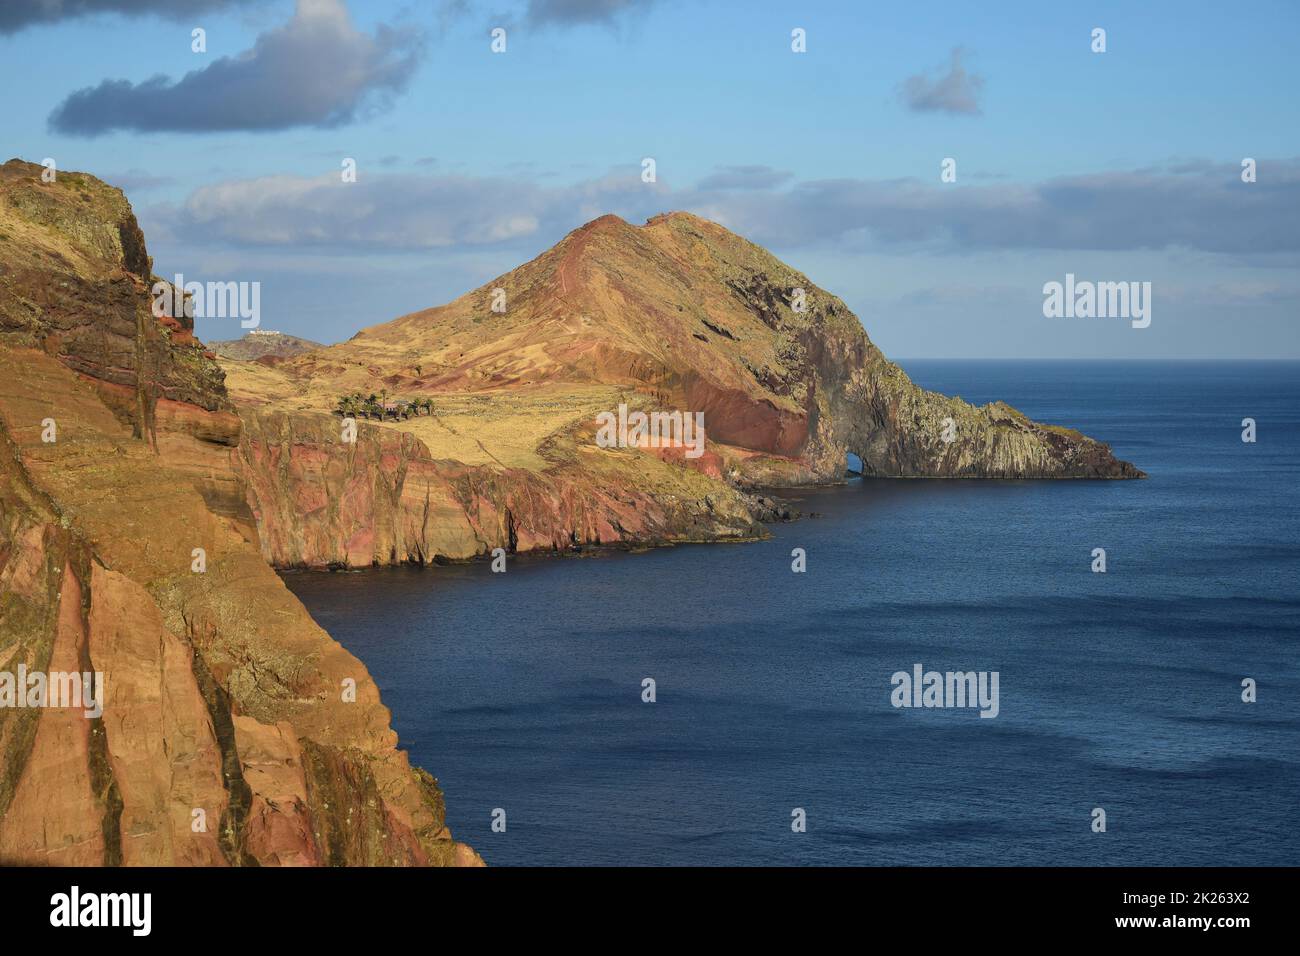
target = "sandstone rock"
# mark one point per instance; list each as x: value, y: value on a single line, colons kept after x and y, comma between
x: 319, y: 501
x: 220, y: 692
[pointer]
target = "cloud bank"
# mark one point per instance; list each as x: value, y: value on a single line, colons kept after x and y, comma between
x: 1197, y: 206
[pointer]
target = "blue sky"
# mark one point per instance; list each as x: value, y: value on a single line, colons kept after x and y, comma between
x: 1115, y: 166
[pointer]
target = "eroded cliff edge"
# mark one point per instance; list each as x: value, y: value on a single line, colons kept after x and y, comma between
x: 383, y: 499
x: 234, y: 730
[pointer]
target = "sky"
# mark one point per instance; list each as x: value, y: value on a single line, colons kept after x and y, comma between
x: 1115, y: 166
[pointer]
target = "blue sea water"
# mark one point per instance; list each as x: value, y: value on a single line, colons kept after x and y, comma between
x: 1122, y: 690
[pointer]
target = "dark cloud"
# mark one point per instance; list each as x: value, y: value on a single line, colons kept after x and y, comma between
x: 744, y: 177
x: 1209, y: 210
x: 316, y: 70
x: 574, y: 12
x: 17, y: 14
x: 956, y: 91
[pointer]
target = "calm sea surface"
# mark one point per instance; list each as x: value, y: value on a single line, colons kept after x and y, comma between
x: 1121, y: 690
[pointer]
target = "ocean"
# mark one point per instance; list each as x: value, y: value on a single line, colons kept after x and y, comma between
x: 1120, y: 691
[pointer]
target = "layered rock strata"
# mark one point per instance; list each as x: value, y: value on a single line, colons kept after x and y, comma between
x: 233, y: 731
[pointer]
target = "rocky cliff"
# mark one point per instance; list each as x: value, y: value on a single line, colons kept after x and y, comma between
x: 678, y: 314
x: 233, y: 730
x: 383, y: 499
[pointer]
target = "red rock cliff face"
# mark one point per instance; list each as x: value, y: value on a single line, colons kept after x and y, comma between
x: 320, y: 501
x: 234, y: 731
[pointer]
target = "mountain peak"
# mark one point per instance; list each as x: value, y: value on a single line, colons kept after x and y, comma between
x: 606, y: 223
x: 681, y: 215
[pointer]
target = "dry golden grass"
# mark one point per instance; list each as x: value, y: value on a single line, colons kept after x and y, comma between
x: 251, y: 383
x: 507, y: 428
